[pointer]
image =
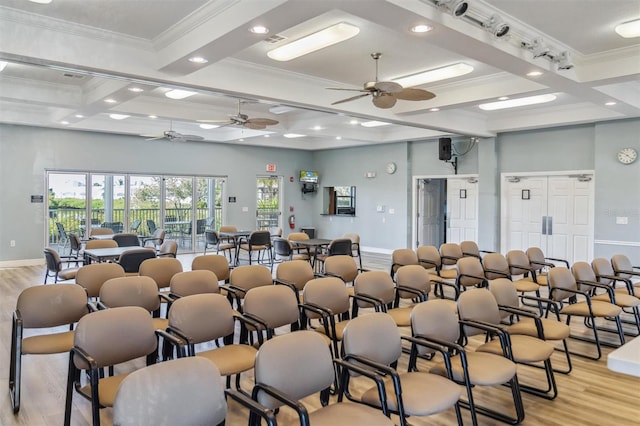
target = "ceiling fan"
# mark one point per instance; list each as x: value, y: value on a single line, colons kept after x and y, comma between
x: 385, y: 94
x: 172, y: 135
x: 243, y: 120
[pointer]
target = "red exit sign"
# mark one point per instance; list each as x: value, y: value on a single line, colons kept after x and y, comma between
x: 271, y: 167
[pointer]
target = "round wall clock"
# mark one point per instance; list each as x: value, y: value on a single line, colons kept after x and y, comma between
x: 627, y: 155
x: 391, y: 168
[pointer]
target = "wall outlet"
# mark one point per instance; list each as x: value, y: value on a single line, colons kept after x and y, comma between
x: 12, y: 243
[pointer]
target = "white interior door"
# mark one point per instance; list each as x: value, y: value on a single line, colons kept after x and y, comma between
x: 431, y: 212
x: 555, y: 213
x: 462, y: 210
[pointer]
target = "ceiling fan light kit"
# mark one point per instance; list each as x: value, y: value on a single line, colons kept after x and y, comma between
x: 243, y: 120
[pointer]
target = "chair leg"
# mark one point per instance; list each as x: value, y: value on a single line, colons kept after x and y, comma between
x: 15, y: 366
x: 69, y: 397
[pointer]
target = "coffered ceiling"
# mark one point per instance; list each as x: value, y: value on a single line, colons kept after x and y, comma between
x: 66, y: 58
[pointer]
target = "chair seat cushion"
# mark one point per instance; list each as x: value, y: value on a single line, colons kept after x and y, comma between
x: 68, y: 274
x: 623, y: 299
x: 422, y: 394
x: 160, y: 323
x: 524, y: 348
x: 254, y: 247
x: 599, y: 308
x: 340, y: 326
x: 448, y: 274
x: 232, y: 359
x: 525, y: 285
x: 402, y: 316
x: 107, y: 388
x: 48, y: 343
x: 553, y: 330
x: 346, y: 413
x: 484, y: 369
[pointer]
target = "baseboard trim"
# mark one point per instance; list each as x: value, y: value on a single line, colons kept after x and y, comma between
x: 21, y: 262
x: 618, y: 243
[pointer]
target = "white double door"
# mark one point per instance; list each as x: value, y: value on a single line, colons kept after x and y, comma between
x: 555, y: 213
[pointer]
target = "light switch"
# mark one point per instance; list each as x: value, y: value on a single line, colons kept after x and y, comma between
x: 245, y: 209
x: 392, y: 211
x: 622, y: 220
x: 380, y: 209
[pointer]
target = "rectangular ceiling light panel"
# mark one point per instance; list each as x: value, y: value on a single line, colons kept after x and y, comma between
x: 512, y: 103
x: 437, y: 74
x: 316, y: 41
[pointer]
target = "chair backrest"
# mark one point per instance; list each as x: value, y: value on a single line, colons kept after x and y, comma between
x: 202, y: 317
x: 126, y: 240
x: 130, y: 291
x: 291, y: 355
x: 114, y: 336
x: 201, y: 225
x: 135, y: 225
x: 215, y: 263
x: 478, y: 304
x: 297, y: 272
x: 355, y: 238
x: 470, y: 266
x: 505, y: 294
x: 327, y: 292
x: 161, y: 269
x: 602, y: 266
x: 434, y: 319
x: 260, y: 238
x: 275, y: 231
x: 282, y: 247
x: 151, y: 225
x: 404, y: 256
x: 276, y: 305
x: 340, y: 246
x: 52, y: 258
x: 51, y: 305
x: 194, y: 282
x: 297, y: 236
x: 496, y: 262
x: 342, y: 266
x: 376, y: 284
x: 582, y: 271
x: 413, y: 276
x: 168, y: 248
x: 536, y: 257
x: 374, y: 336
x: 517, y: 258
x: 101, y: 231
x: 96, y: 244
x: 620, y: 263
x: 429, y: 257
x: 247, y: 277
x: 131, y: 260
x: 450, y: 253
x: 93, y: 276
x: 470, y: 248
x: 62, y: 234
x: 561, y: 278
x: 75, y: 243
x: 228, y: 228
x: 191, y: 388
x: 211, y: 237
x: 159, y: 234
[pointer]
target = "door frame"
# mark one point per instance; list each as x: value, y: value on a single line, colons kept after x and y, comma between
x: 566, y: 173
x: 415, y: 187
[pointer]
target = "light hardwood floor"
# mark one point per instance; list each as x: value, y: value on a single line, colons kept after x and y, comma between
x: 590, y: 395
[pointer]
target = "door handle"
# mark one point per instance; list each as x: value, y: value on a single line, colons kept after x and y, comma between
x: 549, y: 225
x: 544, y: 225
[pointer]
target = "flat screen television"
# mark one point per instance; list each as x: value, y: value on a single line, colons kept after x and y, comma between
x: 308, y: 176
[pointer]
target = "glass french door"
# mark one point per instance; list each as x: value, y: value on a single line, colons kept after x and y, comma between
x: 268, y: 202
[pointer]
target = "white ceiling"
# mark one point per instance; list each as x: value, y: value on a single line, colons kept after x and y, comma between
x: 67, y: 57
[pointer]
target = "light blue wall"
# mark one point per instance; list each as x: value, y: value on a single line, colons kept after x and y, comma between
x: 25, y: 153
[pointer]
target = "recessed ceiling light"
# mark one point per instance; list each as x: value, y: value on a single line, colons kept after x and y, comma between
x: 339, y: 138
x: 79, y: 116
x: 259, y: 29
x: 266, y: 136
x: 512, y: 103
x: 119, y: 116
x: 41, y: 1
x: 503, y: 98
x: 629, y: 29
x: 3, y: 64
x: 280, y: 109
x: 178, y: 94
x: 420, y: 28
x: 534, y: 73
x: 111, y: 101
x: 353, y: 122
x: 434, y: 109
x: 316, y: 41
x: 153, y: 116
x: 293, y: 135
x: 610, y: 103
x: 208, y: 126
x: 198, y: 60
x: 317, y: 128
x: 136, y: 89
x: 374, y: 123
x: 240, y: 140
x: 437, y: 74
x: 64, y: 122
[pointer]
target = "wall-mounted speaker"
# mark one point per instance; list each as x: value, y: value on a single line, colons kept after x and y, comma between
x: 444, y: 149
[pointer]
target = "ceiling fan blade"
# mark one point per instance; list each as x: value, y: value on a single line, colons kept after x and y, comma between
x: 412, y: 94
x: 388, y: 86
x: 353, y: 98
x: 349, y: 90
x: 213, y: 121
x: 384, y: 101
x: 191, y: 137
x: 153, y: 138
x: 263, y: 121
x: 254, y: 126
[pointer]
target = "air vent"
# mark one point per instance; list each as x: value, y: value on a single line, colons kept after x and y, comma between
x: 69, y: 75
x: 275, y: 39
